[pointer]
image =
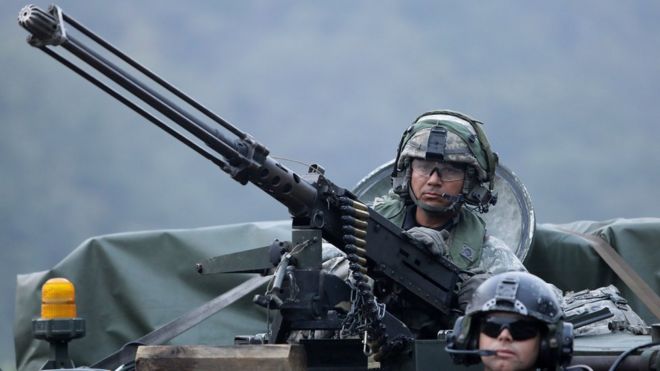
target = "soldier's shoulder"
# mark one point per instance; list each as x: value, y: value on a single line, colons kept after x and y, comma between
x: 494, y: 243
x: 388, y: 205
x: 497, y: 257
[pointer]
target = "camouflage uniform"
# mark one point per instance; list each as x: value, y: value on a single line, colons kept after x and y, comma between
x: 623, y: 318
x: 489, y: 254
x: 498, y: 258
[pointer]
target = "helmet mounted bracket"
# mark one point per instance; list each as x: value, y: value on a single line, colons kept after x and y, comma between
x: 435, y: 147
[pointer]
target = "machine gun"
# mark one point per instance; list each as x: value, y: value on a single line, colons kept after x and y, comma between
x: 306, y: 297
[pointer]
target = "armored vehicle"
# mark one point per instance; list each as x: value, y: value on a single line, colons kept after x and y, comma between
x: 134, y: 291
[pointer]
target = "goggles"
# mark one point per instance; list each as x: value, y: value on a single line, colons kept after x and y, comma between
x: 446, y: 171
x: 520, y: 329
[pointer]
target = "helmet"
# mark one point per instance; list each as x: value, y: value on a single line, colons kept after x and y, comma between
x: 516, y: 292
x: 524, y: 294
x: 454, y: 137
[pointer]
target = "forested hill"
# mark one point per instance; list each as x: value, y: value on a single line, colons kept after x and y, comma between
x: 569, y: 92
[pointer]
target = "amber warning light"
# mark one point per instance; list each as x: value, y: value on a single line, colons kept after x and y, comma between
x: 58, y: 299
x: 59, y: 322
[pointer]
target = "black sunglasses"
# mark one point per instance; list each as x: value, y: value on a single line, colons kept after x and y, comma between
x: 520, y: 329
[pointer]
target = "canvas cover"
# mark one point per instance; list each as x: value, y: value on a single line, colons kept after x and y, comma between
x: 129, y: 284
x: 572, y: 265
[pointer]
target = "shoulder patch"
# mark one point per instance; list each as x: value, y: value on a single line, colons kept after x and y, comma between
x: 468, y: 253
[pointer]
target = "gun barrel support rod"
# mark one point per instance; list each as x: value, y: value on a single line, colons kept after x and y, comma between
x: 206, y: 154
x: 208, y: 135
x: 33, y: 20
x: 171, y: 88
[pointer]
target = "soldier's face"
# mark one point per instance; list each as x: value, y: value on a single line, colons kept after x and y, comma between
x: 512, y: 354
x: 428, y: 184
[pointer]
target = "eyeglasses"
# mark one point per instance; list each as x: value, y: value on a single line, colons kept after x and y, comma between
x: 520, y: 329
x: 446, y: 171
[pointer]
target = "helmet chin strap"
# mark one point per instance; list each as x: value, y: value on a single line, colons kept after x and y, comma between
x: 454, y: 206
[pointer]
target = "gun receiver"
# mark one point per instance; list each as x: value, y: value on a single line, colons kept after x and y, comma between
x: 313, y: 201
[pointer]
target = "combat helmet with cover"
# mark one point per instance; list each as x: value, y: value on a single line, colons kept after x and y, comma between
x: 451, y: 137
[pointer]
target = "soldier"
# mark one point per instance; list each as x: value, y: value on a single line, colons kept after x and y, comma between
x: 444, y: 172
x: 443, y: 175
x: 514, y: 322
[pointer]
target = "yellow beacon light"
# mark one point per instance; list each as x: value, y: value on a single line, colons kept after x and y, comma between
x: 58, y: 299
x: 59, y: 322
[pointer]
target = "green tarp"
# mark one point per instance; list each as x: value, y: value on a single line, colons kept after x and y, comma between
x: 571, y: 264
x: 129, y: 284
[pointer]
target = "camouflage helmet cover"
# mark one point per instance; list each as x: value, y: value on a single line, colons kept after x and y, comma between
x: 463, y: 143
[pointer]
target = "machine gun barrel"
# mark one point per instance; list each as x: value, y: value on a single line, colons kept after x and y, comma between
x: 241, y: 157
x: 312, y: 202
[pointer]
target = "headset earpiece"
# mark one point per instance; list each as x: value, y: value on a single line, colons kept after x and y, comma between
x: 556, y: 347
x: 463, y: 337
x: 482, y: 197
